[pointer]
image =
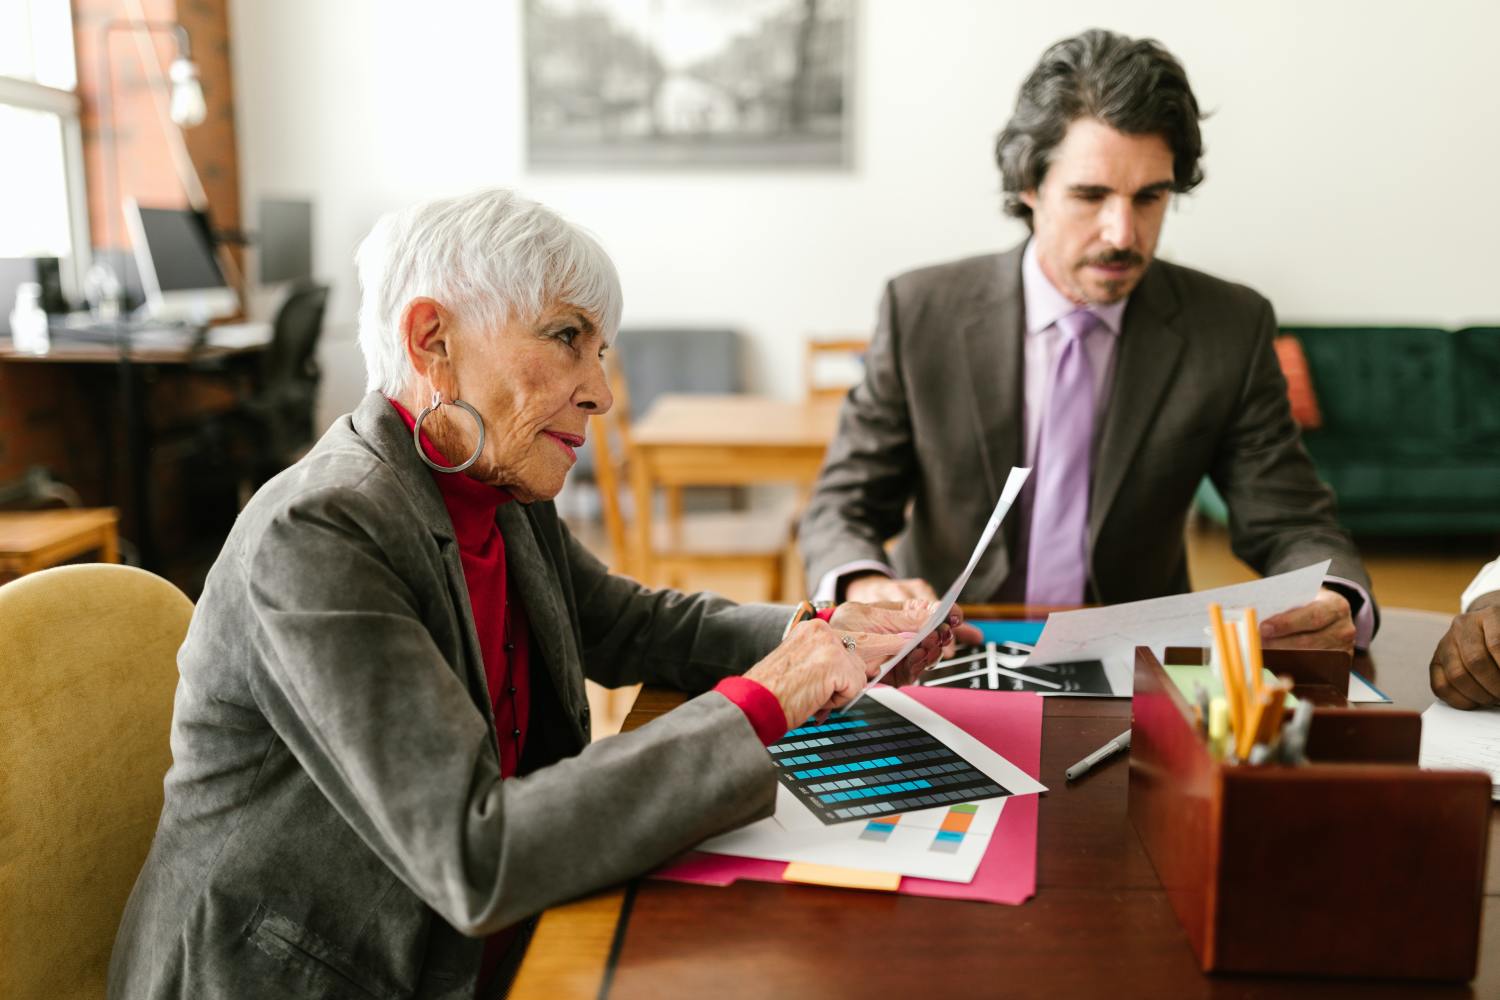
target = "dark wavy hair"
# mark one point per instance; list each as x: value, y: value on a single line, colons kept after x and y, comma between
x: 1132, y: 85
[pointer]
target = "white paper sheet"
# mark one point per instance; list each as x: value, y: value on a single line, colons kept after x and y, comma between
x: 1466, y: 741
x: 793, y: 833
x: 939, y: 614
x: 1112, y: 633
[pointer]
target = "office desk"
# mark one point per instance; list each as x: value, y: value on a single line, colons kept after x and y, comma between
x: 723, y: 440
x: 135, y: 367
x: 1099, y: 926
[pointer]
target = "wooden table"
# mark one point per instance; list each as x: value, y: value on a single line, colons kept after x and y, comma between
x: 35, y: 540
x: 723, y: 440
x: 1099, y: 925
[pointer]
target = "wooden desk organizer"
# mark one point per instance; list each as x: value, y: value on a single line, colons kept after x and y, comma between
x: 1356, y: 864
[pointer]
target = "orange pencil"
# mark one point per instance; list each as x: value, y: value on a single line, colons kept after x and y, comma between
x: 1237, y: 667
x: 1272, y: 722
x: 1252, y: 640
x: 1252, y: 733
x: 1221, y: 647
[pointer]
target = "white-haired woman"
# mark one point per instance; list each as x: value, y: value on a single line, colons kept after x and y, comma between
x: 379, y: 743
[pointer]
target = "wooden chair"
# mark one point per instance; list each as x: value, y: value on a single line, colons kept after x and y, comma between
x: 688, y: 544
x: 86, y: 686
x: 842, y: 353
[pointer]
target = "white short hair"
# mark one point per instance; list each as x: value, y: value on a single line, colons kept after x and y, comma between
x: 487, y: 257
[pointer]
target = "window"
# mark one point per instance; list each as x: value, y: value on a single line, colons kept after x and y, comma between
x: 42, y: 195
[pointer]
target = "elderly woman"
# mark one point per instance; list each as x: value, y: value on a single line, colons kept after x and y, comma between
x: 380, y: 762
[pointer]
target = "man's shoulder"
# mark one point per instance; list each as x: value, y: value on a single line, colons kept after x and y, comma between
x: 952, y: 276
x: 1199, y: 289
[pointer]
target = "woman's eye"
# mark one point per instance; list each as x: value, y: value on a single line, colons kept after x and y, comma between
x: 568, y: 335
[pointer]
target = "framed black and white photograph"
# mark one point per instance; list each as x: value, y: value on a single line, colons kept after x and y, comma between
x: 687, y: 83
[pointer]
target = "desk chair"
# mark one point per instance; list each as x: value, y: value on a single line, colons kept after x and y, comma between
x: 267, y: 430
x: 689, y: 543
x: 87, y: 676
x: 283, y: 408
x: 833, y: 364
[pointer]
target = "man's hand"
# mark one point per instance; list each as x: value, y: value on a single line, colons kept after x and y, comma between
x: 1466, y: 665
x: 877, y: 588
x: 1323, y: 623
x: 904, y: 619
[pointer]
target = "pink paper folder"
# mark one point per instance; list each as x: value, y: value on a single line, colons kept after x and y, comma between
x: 1008, y: 722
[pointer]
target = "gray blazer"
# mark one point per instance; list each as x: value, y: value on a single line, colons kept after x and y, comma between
x: 937, y: 423
x: 335, y: 823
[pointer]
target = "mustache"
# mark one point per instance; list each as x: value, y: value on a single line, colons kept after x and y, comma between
x: 1114, y: 258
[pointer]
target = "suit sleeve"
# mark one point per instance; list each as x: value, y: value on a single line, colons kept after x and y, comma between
x: 355, y: 686
x: 860, y: 497
x: 1281, y: 516
x: 634, y: 635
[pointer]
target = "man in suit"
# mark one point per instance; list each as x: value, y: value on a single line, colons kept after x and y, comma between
x: 1121, y: 379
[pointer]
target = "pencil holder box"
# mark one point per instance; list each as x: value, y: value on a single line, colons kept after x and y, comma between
x: 1357, y: 863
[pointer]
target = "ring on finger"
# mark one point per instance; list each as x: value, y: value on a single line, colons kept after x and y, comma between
x: 848, y: 641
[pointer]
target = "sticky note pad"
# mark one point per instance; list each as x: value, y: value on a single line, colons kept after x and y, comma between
x: 843, y: 878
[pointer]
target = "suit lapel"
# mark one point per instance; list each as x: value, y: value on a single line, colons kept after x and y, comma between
x: 534, y: 577
x: 1148, y: 354
x: 992, y: 329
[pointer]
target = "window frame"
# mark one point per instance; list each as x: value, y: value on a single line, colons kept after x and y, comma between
x: 66, y: 105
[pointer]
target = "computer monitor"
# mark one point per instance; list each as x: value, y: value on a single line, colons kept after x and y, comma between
x: 180, y: 273
x: 285, y: 240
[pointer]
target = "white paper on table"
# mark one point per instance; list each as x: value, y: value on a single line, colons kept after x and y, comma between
x: 939, y: 614
x: 793, y: 833
x: 1112, y: 633
x: 1465, y: 741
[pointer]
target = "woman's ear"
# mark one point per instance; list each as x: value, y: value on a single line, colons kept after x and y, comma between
x: 425, y: 329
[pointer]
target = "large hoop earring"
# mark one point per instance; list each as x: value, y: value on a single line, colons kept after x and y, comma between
x: 416, y: 433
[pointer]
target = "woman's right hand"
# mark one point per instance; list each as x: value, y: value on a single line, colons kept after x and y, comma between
x: 813, y: 672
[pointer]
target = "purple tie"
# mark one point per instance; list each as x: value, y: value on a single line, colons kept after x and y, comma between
x: 1057, y: 567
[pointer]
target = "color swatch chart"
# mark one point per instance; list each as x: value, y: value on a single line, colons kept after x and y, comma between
x: 948, y: 839
x: 871, y: 762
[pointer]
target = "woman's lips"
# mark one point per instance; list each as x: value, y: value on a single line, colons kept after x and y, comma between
x: 567, y: 442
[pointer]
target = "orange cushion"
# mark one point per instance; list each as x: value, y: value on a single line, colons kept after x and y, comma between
x: 1299, y: 387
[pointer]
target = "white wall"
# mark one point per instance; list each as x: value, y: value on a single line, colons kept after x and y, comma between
x: 1352, y: 157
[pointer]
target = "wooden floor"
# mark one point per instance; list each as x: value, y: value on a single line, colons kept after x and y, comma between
x: 1426, y: 573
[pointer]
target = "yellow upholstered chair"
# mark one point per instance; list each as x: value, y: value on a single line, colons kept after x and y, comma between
x: 88, y: 668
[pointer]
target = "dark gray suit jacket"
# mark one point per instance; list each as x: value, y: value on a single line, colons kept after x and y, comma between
x: 335, y: 823
x: 937, y: 424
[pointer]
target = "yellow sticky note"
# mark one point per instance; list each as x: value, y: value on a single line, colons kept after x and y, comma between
x: 843, y: 878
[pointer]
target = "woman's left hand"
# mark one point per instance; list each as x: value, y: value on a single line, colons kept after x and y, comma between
x: 903, y: 617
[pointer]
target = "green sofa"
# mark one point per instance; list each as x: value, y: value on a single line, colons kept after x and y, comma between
x: 1410, y: 433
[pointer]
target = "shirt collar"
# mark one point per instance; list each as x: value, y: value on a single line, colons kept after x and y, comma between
x: 1045, y: 305
x: 471, y: 504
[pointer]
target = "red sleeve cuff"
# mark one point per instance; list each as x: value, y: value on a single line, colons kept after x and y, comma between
x: 759, y: 705
x: 826, y: 614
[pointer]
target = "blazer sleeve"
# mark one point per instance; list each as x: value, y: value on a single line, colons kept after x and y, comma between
x: 356, y: 687
x: 860, y: 497
x: 1281, y: 515
x: 633, y: 634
